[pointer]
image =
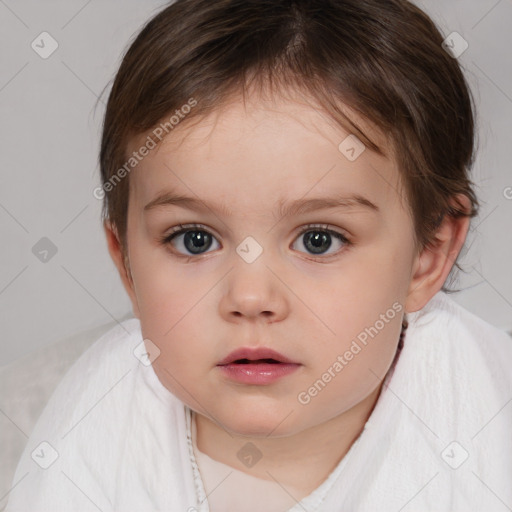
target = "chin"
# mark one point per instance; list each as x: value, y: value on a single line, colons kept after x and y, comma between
x: 259, y: 421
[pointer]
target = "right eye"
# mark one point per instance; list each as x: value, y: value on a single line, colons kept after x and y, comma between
x: 192, y: 238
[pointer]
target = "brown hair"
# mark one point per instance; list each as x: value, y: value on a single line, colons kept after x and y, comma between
x: 382, y: 58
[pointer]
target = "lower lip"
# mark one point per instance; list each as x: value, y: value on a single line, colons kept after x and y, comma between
x: 258, y: 374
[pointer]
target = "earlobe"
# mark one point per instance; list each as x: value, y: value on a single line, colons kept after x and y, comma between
x: 117, y: 255
x: 433, y: 264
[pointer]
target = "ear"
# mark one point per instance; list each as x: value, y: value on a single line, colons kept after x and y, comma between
x: 116, y: 253
x: 433, y: 264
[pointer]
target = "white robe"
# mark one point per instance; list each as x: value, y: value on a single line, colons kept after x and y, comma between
x: 439, y: 438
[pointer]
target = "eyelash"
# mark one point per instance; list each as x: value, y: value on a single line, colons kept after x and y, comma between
x: 183, y: 228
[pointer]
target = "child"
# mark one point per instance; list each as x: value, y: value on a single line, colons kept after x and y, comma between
x: 285, y: 191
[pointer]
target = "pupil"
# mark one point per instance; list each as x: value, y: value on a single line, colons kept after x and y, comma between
x: 196, y: 241
x: 317, y: 241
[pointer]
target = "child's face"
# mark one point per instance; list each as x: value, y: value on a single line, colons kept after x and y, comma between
x: 306, y: 297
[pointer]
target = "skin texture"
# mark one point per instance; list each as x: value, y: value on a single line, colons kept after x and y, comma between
x: 309, y: 307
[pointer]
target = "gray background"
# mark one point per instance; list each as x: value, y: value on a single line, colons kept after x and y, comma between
x: 50, y: 134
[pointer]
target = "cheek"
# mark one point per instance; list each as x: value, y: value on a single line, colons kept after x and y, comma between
x: 347, y: 373
x: 382, y: 275
x: 188, y: 354
x: 164, y: 294
x: 183, y: 333
x: 344, y: 304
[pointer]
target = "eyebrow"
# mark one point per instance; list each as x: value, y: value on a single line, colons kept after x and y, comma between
x: 284, y: 208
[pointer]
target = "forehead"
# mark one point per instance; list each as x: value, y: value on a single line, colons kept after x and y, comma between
x: 257, y: 151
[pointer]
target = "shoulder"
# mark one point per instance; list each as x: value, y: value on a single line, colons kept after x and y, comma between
x: 95, y: 425
x: 108, y: 362
x: 444, y: 320
x: 459, y: 364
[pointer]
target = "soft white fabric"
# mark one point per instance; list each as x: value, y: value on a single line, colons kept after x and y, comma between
x: 26, y: 385
x: 124, y: 442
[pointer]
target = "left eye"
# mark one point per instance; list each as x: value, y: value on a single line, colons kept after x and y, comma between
x: 316, y: 239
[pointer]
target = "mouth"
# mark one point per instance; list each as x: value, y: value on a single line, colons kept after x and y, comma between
x: 259, y: 372
x: 256, y: 366
x: 255, y: 356
x: 256, y: 361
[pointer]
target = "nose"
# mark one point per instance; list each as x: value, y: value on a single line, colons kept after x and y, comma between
x: 253, y: 292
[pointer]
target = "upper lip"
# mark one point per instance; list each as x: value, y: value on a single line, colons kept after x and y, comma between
x: 254, y: 354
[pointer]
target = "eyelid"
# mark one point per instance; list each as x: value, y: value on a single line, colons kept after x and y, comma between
x: 185, y: 227
x: 322, y: 227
